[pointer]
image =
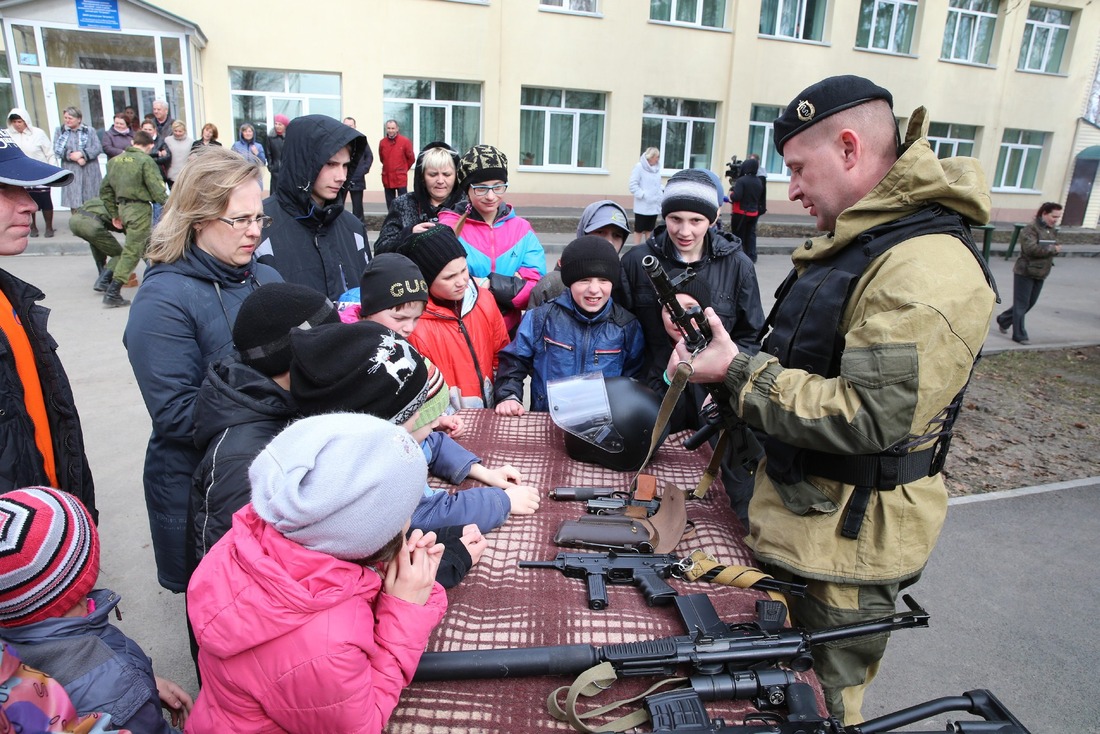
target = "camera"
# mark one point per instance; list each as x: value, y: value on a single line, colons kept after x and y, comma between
x: 733, y: 170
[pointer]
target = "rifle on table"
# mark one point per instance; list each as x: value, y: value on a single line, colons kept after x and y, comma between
x: 681, y: 712
x: 711, y: 646
x: 647, y: 571
x: 697, y: 335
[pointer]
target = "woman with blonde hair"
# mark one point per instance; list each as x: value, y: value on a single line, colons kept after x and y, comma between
x: 179, y: 144
x: 202, y: 268
x: 433, y: 190
x: 645, y: 184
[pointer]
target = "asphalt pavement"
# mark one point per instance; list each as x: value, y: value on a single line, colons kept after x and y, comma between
x: 1008, y: 586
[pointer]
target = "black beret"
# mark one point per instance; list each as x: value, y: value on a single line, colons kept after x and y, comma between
x: 827, y: 97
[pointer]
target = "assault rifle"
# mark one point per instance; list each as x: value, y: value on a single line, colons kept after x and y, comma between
x: 647, y: 571
x: 681, y: 712
x: 697, y: 335
x: 711, y: 647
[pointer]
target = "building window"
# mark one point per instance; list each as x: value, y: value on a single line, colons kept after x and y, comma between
x: 7, y: 96
x: 969, y: 33
x: 588, y: 7
x: 762, y: 140
x: 1018, y: 162
x: 682, y: 129
x: 887, y: 25
x: 949, y: 140
x: 1045, y: 36
x: 561, y: 128
x: 701, y: 13
x: 428, y: 111
x: 798, y: 19
x: 260, y: 94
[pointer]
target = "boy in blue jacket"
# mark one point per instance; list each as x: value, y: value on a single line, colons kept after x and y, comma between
x: 50, y: 614
x: 363, y: 367
x: 580, y: 331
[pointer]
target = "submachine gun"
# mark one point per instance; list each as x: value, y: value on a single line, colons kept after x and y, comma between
x: 697, y: 335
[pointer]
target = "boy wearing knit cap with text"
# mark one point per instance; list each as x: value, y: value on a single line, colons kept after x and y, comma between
x: 312, y: 612
x: 364, y: 367
x: 580, y: 331
x: 461, y: 330
x: 392, y: 292
x: 49, y: 563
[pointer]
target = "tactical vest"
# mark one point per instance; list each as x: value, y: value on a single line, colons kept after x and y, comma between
x: 805, y: 334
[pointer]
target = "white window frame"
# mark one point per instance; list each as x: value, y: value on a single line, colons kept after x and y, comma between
x: 949, y: 143
x: 448, y: 104
x: 572, y: 7
x: 800, y: 23
x: 1033, y: 28
x: 576, y: 113
x: 269, y: 97
x: 1024, y: 151
x: 698, y: 22
x: 968, y: 10
x: 896, y: 6
x: 768, y: 153
x: 689, y: 121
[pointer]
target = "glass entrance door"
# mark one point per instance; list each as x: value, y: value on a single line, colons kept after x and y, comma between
x: 98, y: 101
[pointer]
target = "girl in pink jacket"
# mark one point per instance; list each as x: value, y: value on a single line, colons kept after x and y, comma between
x: 312, y: 612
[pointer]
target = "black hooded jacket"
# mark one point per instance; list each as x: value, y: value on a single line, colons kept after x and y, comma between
x: 238, y: 411
x: 324, y: 248
x: 409, y: 210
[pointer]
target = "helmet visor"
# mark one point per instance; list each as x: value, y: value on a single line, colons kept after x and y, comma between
x: 579, y: 406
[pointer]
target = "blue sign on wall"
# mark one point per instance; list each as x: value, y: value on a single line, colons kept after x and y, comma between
x: 98, y: 14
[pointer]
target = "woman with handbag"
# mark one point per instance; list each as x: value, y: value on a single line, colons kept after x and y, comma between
x: 1037, y: 251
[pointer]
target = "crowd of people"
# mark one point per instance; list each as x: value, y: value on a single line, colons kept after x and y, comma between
x: 302, y: 389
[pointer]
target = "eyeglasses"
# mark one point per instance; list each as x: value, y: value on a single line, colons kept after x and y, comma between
x: 243, y: 223
x: 483, y: 191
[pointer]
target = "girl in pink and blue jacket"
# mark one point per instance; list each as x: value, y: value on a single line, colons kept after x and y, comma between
x: 308, y: 618
x: 502, y: 251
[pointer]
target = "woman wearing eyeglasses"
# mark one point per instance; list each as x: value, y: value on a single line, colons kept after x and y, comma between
x: 503, y: 252
x: 201, y: 269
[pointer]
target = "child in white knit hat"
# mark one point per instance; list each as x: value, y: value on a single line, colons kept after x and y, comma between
x: 312, y: 612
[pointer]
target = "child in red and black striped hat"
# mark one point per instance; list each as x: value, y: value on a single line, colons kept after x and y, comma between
x: 49, y: 562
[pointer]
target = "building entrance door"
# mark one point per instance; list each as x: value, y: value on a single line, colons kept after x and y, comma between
x: 98, y: 100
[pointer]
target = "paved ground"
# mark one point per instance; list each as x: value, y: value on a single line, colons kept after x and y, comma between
x: 1009, y: 587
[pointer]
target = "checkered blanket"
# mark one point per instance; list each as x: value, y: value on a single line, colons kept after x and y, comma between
x: 501, y: 605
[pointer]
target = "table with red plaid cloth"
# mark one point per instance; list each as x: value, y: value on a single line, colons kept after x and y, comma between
x: 501, y: 605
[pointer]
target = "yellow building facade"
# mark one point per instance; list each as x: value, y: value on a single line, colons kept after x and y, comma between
x: 573, y: 90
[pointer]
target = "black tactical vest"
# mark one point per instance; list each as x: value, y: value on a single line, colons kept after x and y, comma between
x: 805, y: 334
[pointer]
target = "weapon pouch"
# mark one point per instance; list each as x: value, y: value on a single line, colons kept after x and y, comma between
x: 606, y: 532
x: 660, y: 533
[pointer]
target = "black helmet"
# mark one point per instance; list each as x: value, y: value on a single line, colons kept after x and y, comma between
x: 615, y: 432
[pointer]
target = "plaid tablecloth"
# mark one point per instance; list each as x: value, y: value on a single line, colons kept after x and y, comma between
x: 501, y: 605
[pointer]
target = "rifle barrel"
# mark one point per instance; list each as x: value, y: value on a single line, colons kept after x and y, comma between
x: 506, y: 663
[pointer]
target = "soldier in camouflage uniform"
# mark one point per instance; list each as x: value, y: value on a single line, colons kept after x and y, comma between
x: 132, y: 185
x: 91, y: 223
